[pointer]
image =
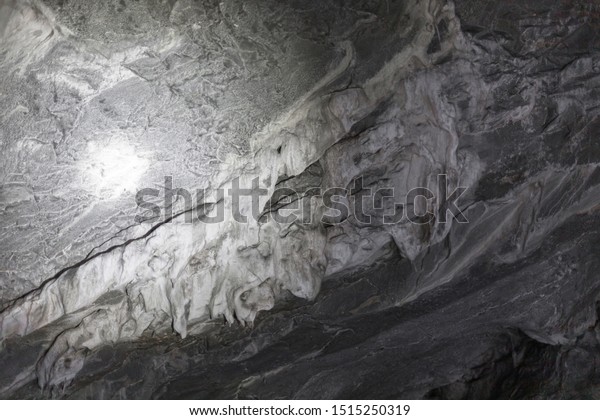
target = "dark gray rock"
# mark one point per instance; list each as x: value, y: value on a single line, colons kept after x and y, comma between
x: 102, y: 99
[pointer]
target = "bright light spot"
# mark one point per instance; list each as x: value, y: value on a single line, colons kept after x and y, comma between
x: 114, y: 168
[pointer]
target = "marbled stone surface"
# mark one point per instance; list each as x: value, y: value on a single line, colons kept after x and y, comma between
x: 102, y: 99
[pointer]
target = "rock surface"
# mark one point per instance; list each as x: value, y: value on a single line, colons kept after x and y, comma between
x: 99, y: 299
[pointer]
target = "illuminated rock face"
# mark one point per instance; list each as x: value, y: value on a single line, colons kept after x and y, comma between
x: 102, y: 100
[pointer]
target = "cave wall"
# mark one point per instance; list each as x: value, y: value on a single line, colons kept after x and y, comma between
x: 102, y: 99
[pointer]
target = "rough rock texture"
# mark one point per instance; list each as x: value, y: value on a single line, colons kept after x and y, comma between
x: 102, y: 99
